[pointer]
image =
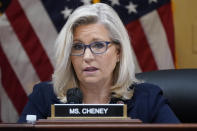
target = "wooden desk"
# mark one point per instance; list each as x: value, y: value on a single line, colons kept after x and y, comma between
x: 96, y: 125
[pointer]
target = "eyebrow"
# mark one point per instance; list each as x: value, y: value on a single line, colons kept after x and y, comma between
x: 93, y: 40
x: 77, y: 41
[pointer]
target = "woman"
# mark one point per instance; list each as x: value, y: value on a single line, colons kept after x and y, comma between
x: 94, y: 56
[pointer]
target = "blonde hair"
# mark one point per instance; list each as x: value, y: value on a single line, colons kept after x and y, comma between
x: 124, y: 73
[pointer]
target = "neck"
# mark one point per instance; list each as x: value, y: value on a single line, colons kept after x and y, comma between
x: 96, y: 94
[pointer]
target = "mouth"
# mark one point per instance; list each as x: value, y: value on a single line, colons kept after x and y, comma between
x: 90, y: 69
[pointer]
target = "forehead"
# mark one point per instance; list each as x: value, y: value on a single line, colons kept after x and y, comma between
x: 91, y: 31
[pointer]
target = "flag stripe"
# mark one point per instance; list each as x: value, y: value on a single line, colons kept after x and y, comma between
x: 29, y: 40
x: 8, y: 111
x: 16, y: 55
x: 1, y: 96
x: 1, y: 114
x: 41, y: 24
x: 141, y: 46
x: 15, y: 94
x: 165, y: 13
x: 157, y: 40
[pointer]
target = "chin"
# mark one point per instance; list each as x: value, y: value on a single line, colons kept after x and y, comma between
x: 91, y: 80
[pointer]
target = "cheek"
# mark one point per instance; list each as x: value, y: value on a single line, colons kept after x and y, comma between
x: 109, y: 63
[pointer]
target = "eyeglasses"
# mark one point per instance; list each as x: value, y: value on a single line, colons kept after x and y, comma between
x: 98, y: 47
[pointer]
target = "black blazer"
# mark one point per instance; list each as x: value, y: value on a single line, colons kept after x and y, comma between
x: 147, y: 104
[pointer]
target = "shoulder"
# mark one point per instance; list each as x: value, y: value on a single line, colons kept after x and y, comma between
x: 44, y: 86
x: 40, y: 101
x: 149, y: 105
x: 43, y: 90
x: 146, y: 89
x: 146, y: 94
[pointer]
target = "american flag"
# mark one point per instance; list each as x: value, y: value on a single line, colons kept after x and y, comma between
x: 28, y: 29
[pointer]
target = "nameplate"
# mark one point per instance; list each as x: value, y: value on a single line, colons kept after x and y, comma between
x: 88, y: 110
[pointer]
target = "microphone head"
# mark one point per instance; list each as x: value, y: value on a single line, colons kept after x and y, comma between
x: 74, y: 96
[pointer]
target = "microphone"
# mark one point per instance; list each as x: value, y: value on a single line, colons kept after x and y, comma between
x: 74, y: 96
x: 115, y: 100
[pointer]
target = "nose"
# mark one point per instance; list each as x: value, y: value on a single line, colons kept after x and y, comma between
x: 88, y: 55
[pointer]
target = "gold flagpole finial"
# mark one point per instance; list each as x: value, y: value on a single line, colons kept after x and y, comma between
x: 0, y: 7
x: 96, y: 1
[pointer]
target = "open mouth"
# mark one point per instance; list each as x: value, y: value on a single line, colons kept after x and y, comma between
x: 90, y: 69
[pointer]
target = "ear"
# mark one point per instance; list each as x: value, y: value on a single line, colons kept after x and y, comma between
x: 118, y: 53
x: 118, y: 57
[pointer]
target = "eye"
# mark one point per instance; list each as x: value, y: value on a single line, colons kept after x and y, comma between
x: 78, y: 46
x: 98, y: 45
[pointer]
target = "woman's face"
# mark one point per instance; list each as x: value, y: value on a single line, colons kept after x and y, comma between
x: 93, y: 68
